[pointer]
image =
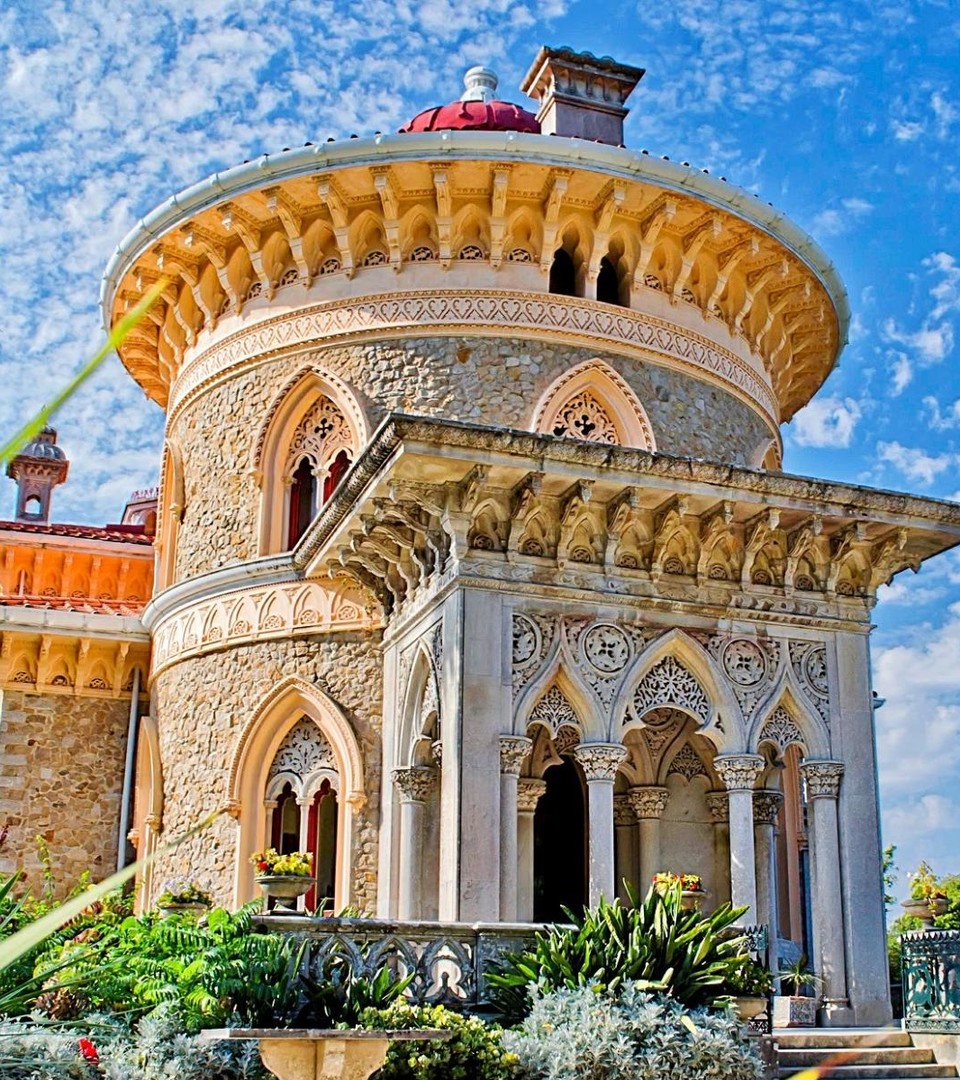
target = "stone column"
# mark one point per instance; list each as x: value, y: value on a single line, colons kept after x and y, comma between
x: 766, y: 810
x: 513, y: 749
x: 528, y: 795
x: 600, y: 762
x: 648, y: 805
x: 414, y: 785
x: 625, y: 844
x: 740, y: 772
x: 823, y: 786
x: 718, y: 803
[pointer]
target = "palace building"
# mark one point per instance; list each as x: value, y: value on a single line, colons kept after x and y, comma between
x: 476, y: 572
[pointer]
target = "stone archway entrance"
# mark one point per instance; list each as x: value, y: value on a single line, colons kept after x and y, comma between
x: 560, y: 844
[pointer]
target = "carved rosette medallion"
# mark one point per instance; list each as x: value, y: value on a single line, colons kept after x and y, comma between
x: 415, y: 784
x: 766, y: 807
x: 600, y: 761
x: 526, y: 640
x: 744, y: 662
x: 606, y: 647
x: 739, y: 772
x: 648, y: 802
x: 718, y: 803
x: 815, y: 670
x: 809, y: 662
x: 531, y: 640
x: 528, y: 794
x: 622, y: 811
x: 513, y: 749
x: 822, y: 778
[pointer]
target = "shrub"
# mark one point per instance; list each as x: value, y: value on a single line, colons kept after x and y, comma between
x: 593, y: 1033
x: 474, y: 1052
x: 32, y: 1052
x: 676, y: 952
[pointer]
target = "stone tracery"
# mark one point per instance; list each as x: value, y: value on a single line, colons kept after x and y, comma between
x: 668, y: 682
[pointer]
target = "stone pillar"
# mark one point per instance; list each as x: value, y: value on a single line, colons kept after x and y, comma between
x: 766, y: 810
x: 528, y: 795
x: 648, y: 805
x: 414, y: 785
x: 513, y: 749
x: 823, y: 786
x: 854, y: 743
x: 625, y: 845
x: 740, y: 772
x: 719, y: 805
x: 600, y: 762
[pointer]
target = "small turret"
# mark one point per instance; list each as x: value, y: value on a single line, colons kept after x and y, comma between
x: 39, y: 467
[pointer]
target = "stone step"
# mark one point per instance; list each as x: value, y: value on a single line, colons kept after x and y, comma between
x: 816, y: 1038
x: 875, y: 1072
x: 808, y: 1057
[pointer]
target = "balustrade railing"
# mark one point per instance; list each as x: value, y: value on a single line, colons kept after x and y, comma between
x: 931, y: 980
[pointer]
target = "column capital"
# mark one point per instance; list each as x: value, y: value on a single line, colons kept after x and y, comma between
x: 415, y: 784
x: 528, y: 794
x: 648, y: 802
x: 719, y: 805
x: 822, y: 778
x: 600, y: 761
x: 766, y: 807
x: 623, y: 811
x: 513, y: 749
x: 739, y: 771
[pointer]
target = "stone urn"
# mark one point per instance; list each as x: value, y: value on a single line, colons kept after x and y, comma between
x: 279, y: 887
x: 194, y: 908
x: 926, y: 910
x: 748, y: 1008
x: 691, y: 899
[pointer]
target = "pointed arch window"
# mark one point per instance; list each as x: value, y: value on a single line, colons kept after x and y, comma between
x: 608, y: 284
x: 563, y: 274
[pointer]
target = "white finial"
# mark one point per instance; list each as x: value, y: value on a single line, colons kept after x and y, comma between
x: 480, y: 83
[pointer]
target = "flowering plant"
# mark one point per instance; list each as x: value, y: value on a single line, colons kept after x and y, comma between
x: 183, y: 891
x: 924, y: 884
x: 666, y: 879
x: 270, y: 862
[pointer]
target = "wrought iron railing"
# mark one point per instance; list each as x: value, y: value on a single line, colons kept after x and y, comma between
x: 931, y: 980
x: 449, y: 962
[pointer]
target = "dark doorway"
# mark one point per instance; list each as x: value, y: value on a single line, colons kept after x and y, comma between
x: 559, y: 845
x: 608, y: 287
x: 563, y: 275
x: 303, y: 500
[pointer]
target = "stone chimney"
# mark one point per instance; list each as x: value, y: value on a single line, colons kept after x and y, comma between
x: 580, y: 95
x: 39, y: 467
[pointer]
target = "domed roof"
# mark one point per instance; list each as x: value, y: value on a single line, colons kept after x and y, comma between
x: 477, y: 110
x: 44, y: 446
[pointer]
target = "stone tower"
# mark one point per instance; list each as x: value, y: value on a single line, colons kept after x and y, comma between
x: 39, y: 467
x: 477, y: 572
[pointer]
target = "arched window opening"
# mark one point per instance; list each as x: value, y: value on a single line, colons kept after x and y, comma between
x: 33, y: 506
x: 563, y: 274
x: 285, y: 833
x: 322, y: 833
x: 338, y: 467
x: 560, y: 844
x: 303, y: 499
x: 608, y: 286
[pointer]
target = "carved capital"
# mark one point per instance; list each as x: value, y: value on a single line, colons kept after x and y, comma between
x: 415, y: 784
x: 528, y: 794
x: 822, y: 778
x: 719, y: 804
x: 513, y: 749
x: 600, y: 761
x: 648, y: 802
x: 622, y: 811
x: 739, y: 771
x: 766, y: 807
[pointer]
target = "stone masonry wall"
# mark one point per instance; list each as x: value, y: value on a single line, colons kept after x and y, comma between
x: 483, y: 380
x: 202, y: 707
x: 61, y: 777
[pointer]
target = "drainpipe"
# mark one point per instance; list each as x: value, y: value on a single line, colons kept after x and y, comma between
x: 128, y: 771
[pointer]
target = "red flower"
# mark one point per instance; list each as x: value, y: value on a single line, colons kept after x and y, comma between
x: 88, y: 1051
x: 261, y: 865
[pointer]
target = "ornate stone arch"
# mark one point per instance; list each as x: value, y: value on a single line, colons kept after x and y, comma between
x: 559, y: 672
x: 171, y: 507
x: 674, y: 670
x: 421, y: 710
x: 793, y: 720
x: 606, y: 396
x: 308, y: 388
x: 281, y: 710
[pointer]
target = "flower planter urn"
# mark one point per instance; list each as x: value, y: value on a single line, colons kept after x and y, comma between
x: 279, y: 887
x: 926, y: 910
x: 691, y: 899
x: 749, y: 1007
x: 791, y: 1010
x: 194, y: 908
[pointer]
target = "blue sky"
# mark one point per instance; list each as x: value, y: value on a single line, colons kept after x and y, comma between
x: 844, y: 114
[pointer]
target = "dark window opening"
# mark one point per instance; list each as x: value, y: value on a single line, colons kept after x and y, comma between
x: 303, y: 499
x: 559, y: 845
x: 563, y: 274
x: 338, y: 467
x: 608, y: 287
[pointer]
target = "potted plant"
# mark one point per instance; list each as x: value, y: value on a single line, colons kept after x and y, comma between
x: 927, y: 901
x: 283, y: 877
x: 749, y: 989
x: 181, y: 896
x: 796, y: 1004
x: 692, y: 892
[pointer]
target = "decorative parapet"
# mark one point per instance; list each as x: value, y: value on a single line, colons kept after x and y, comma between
x: 930, y: 961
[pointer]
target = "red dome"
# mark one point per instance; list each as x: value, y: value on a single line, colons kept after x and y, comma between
x: 474, y: 116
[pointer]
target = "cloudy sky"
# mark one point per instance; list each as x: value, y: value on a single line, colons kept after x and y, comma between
x: 843, y: 113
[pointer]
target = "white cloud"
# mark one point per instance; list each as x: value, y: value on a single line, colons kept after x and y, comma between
x: 833, y: 222
x: 916, y: 465
x: 826, y: 422
x: 902, y: 371
x: 907, y: 130
x: 930, y: 343
x: 942, y: 421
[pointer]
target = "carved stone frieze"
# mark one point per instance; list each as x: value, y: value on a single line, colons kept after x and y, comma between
x: 648, y: 802
x: 415, y: 784
x: 822, y: 778
x: 740, y: 772
x: 600, y: 761
x: 513, y: 750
